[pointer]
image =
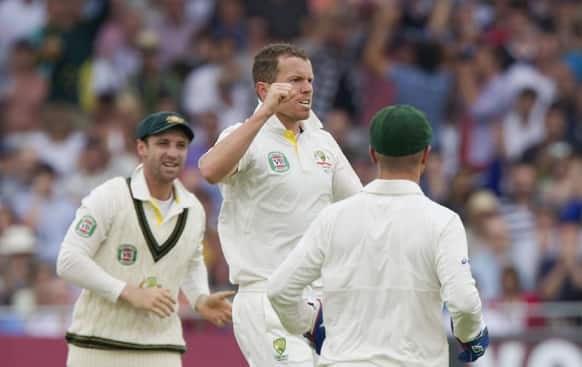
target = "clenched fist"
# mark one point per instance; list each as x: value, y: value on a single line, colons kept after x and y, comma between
x: 278, y: 94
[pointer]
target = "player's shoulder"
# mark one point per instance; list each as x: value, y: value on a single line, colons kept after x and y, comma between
x: 109, y: 193
x: 348, y: 205
x: 440, y: 214
x: 112, y: 187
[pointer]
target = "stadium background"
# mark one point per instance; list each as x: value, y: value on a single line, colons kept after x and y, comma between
x: 498, y: 79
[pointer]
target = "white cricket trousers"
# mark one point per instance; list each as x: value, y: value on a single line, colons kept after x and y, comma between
x: 261, y: 337
x: 87, y: 357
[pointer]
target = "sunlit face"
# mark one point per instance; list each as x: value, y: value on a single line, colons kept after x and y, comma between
x: 163, y: 155
x: 299, y: 73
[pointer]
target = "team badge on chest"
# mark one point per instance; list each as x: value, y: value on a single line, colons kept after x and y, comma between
x: 126, y: 254
x: 280, y: 345
x: 278, y: 162
x: 322, y: 160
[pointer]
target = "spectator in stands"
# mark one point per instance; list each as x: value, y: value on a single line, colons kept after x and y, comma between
x: 24, y: 92
x: 488, y: 261
x: 221, y: 79
x: 424, y: 83
x: 560, y: 275
x: 65, y: 44
x: 152, y: 84
x: 175, y: 30
x: 44, y: 209
x: 518, y: 208
x: 117, y: 57
x: 94, y: 166
x: 18, y: 19
x: 59, y: 143
x: 525, y: 121
x: 17, y: 249
x: 338, y: 82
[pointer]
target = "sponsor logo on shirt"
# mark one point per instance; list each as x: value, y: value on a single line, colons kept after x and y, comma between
x: 278, y: 162
x: 126, y: 254
x: 86, y: 226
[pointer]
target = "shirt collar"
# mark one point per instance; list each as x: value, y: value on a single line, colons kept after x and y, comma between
x: 274, y: 124
x: 141, y: 191
x: 393, y: 187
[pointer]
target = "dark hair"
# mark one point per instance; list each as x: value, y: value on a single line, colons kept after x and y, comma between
x: 266, y: 62
x: 528, y: 92
x: 429, y: 55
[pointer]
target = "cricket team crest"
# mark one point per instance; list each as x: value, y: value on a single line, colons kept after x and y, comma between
x: 150, y: 282
x: 280, y: 345
x: 126, y: 254
x: 175, y: 119
x: 86, y: 226
x: 322, y: 160
x: 278, y: 162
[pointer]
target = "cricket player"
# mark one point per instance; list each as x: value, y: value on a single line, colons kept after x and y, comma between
x: 276, y: 171
x: 133, y: 245
x: 388, y: 258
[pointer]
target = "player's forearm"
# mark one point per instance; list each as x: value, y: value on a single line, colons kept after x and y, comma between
x: 465, y: 310
x: 295, y: 315
x: 458, y: 288
x: 196, y: 284
x: 82, y: 271
x: 285, y: 291
x: 222, y: 159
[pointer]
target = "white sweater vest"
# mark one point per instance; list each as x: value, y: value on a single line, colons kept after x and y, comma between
x: 98, y: 323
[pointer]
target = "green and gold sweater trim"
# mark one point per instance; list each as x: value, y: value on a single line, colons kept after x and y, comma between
x: 95, y: 342
x: 157, y: 251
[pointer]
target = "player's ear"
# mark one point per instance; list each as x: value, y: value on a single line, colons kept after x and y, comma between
x: 425, y: 155
x: 141, y: 147
x: 373, y: 155
x: 262, y: 88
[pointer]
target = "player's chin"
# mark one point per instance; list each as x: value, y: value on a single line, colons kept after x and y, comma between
x: 302, y: 114
x: 170, y: 174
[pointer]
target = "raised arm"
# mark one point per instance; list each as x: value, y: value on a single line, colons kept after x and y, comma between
x: 223, y: 158
x: 384, y: 21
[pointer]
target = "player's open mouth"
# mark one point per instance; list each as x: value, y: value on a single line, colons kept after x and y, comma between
x: 170, y: 165
x: 305, y: 103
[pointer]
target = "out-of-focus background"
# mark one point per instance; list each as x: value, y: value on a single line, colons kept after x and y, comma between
x: 499, y: 80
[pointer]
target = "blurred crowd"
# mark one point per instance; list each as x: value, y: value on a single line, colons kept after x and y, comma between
x: 500, y: 81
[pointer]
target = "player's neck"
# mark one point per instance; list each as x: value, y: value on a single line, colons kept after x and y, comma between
x: 384, y: 174
x: 159, y: 190
x: 290, y: 125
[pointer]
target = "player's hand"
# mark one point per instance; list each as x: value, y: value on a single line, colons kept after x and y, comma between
x: 156, y: 300
x: 216, y: 307
x: 278, y: 94
x: 474, y: 349
x: 316, y: 335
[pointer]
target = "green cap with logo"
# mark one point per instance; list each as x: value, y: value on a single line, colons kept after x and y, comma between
x: 399, y: 130
x: 161, y: 121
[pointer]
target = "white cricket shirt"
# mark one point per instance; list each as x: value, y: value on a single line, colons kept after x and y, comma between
x: 281, y: 183
x: 388, y: 258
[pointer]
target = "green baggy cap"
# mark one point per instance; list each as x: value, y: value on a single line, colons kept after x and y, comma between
x: 399, y: 130
x: 161, y: 121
